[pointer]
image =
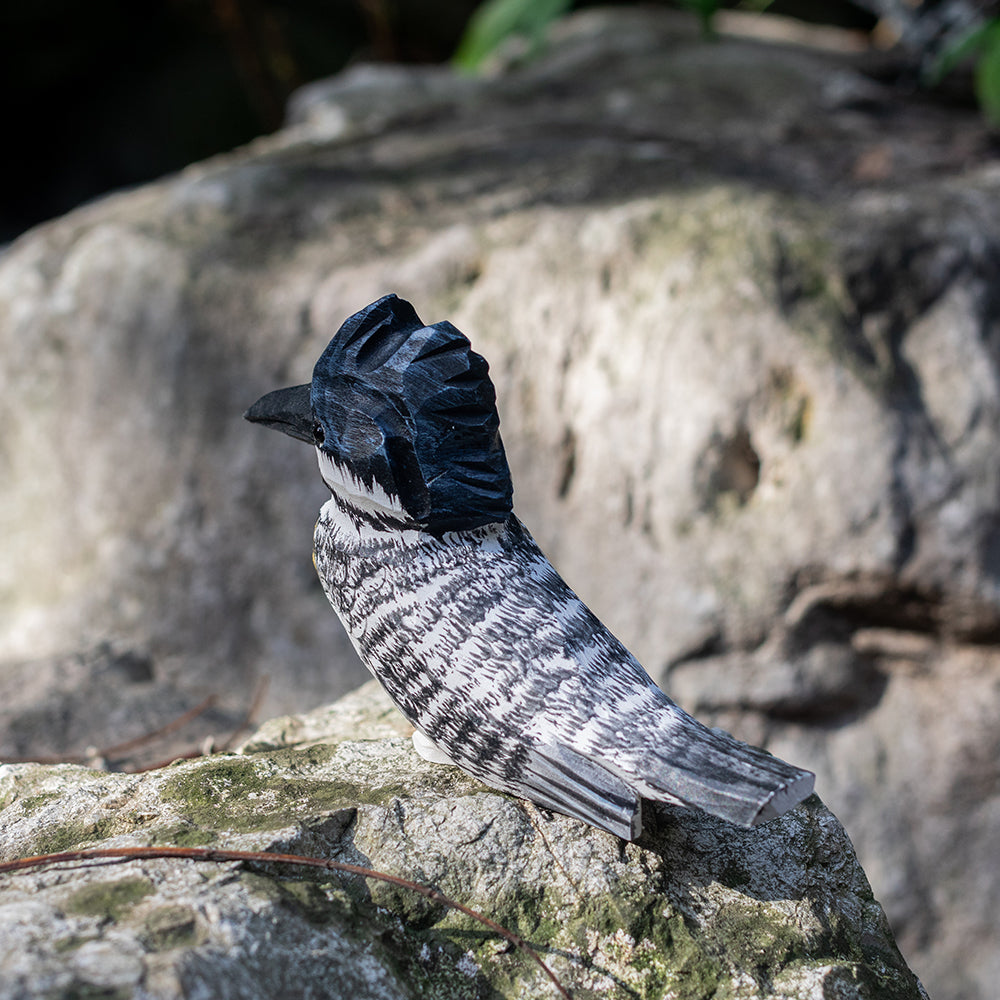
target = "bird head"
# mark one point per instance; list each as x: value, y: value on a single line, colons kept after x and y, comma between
x: 403, y: 418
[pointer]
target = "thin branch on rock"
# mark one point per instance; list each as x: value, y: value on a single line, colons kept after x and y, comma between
x: 260, y: 690
x: 97, y: 757
x: 120, y: 749
x: 119, y: 854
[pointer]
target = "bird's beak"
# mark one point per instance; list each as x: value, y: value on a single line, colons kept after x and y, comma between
x: 287, y: 410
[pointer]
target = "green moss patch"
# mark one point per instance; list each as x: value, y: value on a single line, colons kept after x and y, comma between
x: 32, y: 803
x: 246, y: 795
x: 171, y: 926
x: 66, y: 836
x: 249, y: 794
x: 108, y: 900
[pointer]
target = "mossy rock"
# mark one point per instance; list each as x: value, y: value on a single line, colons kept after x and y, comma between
x: 696, y: 908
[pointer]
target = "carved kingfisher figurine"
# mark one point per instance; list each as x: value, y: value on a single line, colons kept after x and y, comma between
x: 498, y: 665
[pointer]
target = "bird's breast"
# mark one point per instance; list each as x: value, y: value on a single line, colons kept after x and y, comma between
x: 474, y: 628
x: 468, y: 615
x: 376, y: 575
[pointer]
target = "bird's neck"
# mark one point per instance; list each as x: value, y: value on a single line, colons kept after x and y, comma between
x: 359, y: 519
x: 364, y: 529
x: 368, y: 503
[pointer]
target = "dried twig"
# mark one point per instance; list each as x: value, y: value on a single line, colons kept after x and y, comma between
x: 119, y: 749
x: 118, y: 854
x: 106, y: 753
x: 260, y: 690
x: 258, y: 696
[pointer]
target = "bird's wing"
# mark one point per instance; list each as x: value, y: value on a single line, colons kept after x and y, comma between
x: 558, y: 778
x: 628, y: 728
x: 665, y: 755
x: 711, y: 770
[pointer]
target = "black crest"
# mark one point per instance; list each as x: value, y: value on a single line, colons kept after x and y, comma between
x: 412, y: 408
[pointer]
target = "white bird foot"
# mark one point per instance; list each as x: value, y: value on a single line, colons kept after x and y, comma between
x: 429, y: 750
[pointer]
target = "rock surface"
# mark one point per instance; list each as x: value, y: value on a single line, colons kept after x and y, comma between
x: 741, y: 304
x: 696, y: 908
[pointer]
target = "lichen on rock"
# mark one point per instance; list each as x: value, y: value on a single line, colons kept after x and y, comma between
x: 696, y: 908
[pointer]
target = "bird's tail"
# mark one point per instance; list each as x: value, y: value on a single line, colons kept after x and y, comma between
x: 709, y: 769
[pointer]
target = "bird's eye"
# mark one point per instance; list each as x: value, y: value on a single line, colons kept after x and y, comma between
x: 318, y: 434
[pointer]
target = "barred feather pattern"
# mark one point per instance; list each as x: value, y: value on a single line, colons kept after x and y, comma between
x: 484, y: 649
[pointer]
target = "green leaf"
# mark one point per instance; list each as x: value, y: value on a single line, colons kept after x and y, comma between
x: 987, y: 76
x: 957, y: 52
x: 706, y: 11
x: 497, y: 20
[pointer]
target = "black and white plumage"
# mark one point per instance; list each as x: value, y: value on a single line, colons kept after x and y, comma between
x: 498, y: 665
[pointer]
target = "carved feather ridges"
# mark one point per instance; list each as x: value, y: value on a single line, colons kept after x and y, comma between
x: 429, y: 396
x: 486, y: 650
x: 454, y: 608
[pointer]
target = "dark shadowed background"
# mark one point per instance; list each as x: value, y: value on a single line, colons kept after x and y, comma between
x: 111, y: 93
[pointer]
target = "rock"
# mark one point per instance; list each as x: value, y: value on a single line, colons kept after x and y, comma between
x: 741, y: 305
x: 696, y: 907
x: 368, y: 707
